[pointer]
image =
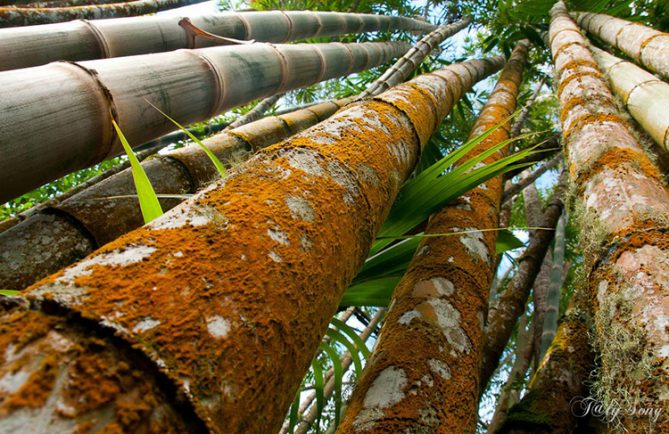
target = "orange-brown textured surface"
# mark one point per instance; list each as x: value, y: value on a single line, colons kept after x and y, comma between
x: 625, y: 200
x: 56, y: 377
x: 230, y: 293
x: 563, y: 374
x: 423, y: 375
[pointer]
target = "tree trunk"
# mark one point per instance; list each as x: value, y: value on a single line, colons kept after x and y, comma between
x: 511, y: 303
x: 189, y: 85
x: 13, y: 16
x: 438, y: 307
x: 624, y: 221
x: 260, y: 258
x: 414, y: 57
x: 87, y: 40
x: 646, y: 46
x: 558, y: 388
x: 645, y: 97
x: 66, y: 232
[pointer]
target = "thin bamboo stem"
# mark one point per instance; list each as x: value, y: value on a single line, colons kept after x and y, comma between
x: 528, y: 176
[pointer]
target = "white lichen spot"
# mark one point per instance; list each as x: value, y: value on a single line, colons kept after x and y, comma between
x: 278, y: 236
x: 187, y: 214
x: 440, y: 368
x: 406, y: 317
x: 13, y: 381
x: 366, y: 418
x: 274, y: 257
x: 368, y: 174
x: 427, y: 380
x: 218, y: 326
x: 434, y: 287
x: 300, y: 208
x: 342, y: 177
x: 120, y: 257
x: 387, y: 389
x: 146, y: 324
x: 305, y: 160
x: 450, y: 259
x: 423, y: 250
x: 178, y: 254
x: 474, y: 242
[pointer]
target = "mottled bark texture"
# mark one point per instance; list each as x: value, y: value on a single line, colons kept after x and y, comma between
x: 63, y: 233
x: 13, y: 16
x: 625, y: 220
x: 510, y: 390
x: 646, y: 46
x: 422, y: 376
x: 557, y: 391
x: 645, y: 96
x: 75, y: 130
x: 260, y: 258
x: 406, y: 64
x: 22, y: 47
x: 503, y: 315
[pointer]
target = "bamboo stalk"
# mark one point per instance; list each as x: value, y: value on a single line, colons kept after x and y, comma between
x: 23, y: 47
x: 261, y: 259
x: 414, y: 57
x: 256, y: 112
x: 511, y: 304
x: 645, y: 97
x: 311, y: 415
x: 437, y: 309
x: 25, y: 16
x: 625, y: 206
x: 645, y: 45
x: 528, y: 176
x: 91, y: 218
x: 190, y: 85
x: 555, y: 285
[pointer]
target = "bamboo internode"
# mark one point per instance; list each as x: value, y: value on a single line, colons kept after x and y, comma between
x: 647, y: 46
x: 66, y: 232
x: 645, y: 96
x: 76, y: 102
x: 27, y: 16
x: 261, y: 258
x: 23, y: 47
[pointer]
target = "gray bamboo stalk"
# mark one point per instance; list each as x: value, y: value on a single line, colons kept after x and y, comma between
x: 25, y: 16
x: 75, y: 131
x: 520, y: 121
x: 311, y: 415
x: 528, y: 176
x: 647, y: 46
x: 59, y: 234
x: 645, y: 96
x: 556, y: 278
x: 398, y: 72
x: 22, y: 47
x: 519, y: 368
x: 511, y: 304
x: 256, y: 112
x: 252, y: 258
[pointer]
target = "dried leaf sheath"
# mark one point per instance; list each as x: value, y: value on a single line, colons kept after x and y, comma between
x: 423, y: 376
x: 75, y: 101
x: 261, y: 258
x: 22, y: 47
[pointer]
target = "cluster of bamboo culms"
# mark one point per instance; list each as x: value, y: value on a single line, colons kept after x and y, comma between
x: 206, y: 319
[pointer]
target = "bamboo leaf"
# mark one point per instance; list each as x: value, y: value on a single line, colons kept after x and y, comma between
x: 318, y: 387
x: 346, y: 329
x: 148, y: 201
x: 214, y: 159
x: 506, y: 241
x: 336, y: 335
x: 338, y: 371
x: 9, y: 292
x: 294, y: 408
x: 371, y: 293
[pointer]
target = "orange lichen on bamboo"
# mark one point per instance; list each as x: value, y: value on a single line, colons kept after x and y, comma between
x: 625, y: 199
x: 55, y: 376
x: 438, y: 307
x: 229, y: 294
